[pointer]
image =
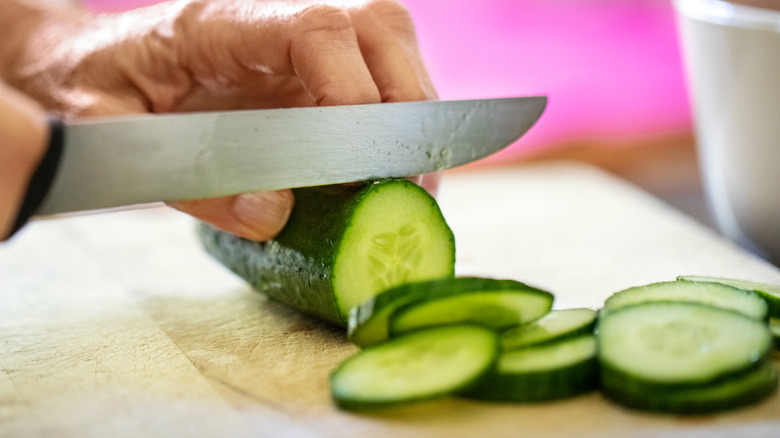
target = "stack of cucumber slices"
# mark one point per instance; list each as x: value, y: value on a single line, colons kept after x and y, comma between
x: 695, y: 345
x: 378, y: 259
x: 690, y: 346
x: 480, y: 338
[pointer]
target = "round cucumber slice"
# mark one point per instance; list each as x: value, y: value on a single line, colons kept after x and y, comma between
x: 545, y: 372
x: 774, y: 328
x: 492, y: 302
x: 497, y: 309
x: 556, y: 325
x: 713, y: 294
x: 769, y: 292
x: 423, y: 365
x: 680, y: 344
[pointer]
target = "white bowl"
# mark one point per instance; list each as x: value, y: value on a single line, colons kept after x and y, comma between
x: 732, y: 54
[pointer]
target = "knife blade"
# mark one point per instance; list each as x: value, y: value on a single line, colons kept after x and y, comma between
x: 130, y: 160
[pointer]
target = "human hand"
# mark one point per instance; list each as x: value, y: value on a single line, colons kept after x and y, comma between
x: 196, y: 55
x: 23, y: 138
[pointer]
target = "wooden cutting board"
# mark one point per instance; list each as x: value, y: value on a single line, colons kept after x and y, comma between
x: 119, y: 325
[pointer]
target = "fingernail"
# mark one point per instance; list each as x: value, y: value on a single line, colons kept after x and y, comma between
x: 263, y: 214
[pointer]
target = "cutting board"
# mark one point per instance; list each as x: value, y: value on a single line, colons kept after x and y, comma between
x: 119, y: 325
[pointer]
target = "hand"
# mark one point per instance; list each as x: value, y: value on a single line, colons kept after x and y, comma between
x: 194, y: 55
x: 23, y: 138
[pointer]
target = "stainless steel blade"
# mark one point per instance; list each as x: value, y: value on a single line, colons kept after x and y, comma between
x: 141, y: 159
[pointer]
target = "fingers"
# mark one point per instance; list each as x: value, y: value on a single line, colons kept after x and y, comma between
x: 364, y: 53
x: 352, y: 52
x: 23, y: 136
x: 389, y: 46
x: 255, y: 216
x: 326, y: 56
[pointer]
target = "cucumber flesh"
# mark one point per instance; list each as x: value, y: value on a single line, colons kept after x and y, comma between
x: 544, y: 372
x: 769, y: 292
x: 510, y: 302
x: 341, y: 245
x: 423, y: 365
x: 742, y: 390
x: 556, y: 325
x: 713, y: 294
x: 680, y: 344
x: 392, y: 238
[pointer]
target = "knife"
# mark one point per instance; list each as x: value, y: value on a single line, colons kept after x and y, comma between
x: 120, y: 161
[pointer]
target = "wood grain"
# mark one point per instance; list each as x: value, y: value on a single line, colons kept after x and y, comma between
x: 119, y: 324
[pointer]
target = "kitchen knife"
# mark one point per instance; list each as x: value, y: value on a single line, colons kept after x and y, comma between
x: 118, y: 161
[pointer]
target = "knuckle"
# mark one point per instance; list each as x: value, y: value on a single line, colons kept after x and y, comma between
x: 390, y: 13
x: 323, y: 18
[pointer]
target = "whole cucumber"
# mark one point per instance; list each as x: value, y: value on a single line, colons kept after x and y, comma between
x: 342, y: 245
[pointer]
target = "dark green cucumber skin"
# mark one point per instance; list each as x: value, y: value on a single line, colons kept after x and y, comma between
x: 637, y: 385
x: 528, y: 387
x: 295, y: 267
x: 738, y: 391
x: 578, y: 379
x: 282, y: 273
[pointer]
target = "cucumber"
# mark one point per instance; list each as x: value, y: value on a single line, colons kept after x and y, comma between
x: 684, y: 357
x: 342, y: 245
x: 742, y: 390
x: 556, y: 325
x: 549, y: 371
x: 497, y: 308
x: 491, y: 302
x: 715, y: 294
x: 774, y: 328
x: 422, y: 365
x: 680, y: 343
x: 769, y: 292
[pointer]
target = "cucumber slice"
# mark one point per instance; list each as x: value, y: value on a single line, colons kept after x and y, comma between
x: 769, y: 292
x: 668, y: 344
x: 507, y: 304
x: 544, y: 372
x: 369, y: 322
x: 742, y: 390
x: 714, y: 294
x: 556, y: 325
x: 423, y: 365
x: 342, y: 245
x: 774, y: 328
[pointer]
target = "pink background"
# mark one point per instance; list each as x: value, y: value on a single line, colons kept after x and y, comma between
x: 611, y: 68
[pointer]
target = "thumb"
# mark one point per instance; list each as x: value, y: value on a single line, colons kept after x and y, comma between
x: 256, y: 216
x: 23, y: 137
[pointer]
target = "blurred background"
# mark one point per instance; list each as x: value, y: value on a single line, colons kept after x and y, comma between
x: 612, y: 70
